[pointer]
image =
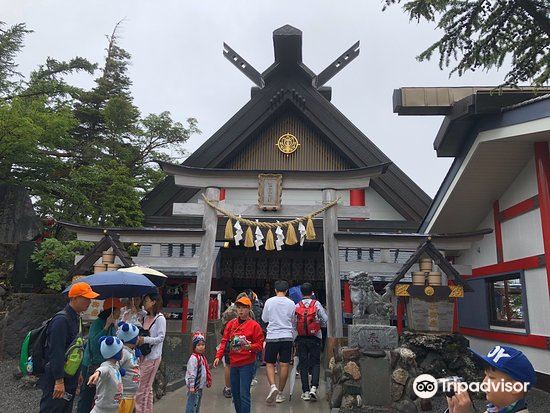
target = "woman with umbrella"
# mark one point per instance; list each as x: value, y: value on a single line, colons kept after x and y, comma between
x: 104, y: 325
x: 155, y: 324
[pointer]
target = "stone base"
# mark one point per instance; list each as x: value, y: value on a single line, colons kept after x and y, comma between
x: 372, y: 320
x: 370, y: 337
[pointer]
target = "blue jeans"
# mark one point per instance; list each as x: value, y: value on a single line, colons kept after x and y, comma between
x: 241, y: 379
x: 193, y: 401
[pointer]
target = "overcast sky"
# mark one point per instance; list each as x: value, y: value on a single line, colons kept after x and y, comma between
x: 177, y: 61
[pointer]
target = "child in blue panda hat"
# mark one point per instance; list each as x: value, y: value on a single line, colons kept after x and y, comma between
x: 129, y: 334
x: 108, y: 377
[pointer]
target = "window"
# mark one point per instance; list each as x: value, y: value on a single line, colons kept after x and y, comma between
x: 506, y: 301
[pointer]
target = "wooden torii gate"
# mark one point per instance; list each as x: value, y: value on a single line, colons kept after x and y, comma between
x: 212, y: 180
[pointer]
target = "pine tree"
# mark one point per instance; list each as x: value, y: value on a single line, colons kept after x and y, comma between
x: 484, y: 34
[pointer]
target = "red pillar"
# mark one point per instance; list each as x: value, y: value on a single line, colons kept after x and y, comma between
x: 348, y: 307
x: 184, y: 307
x: 357, y: 198
x: 542, y: 162
x: 222, y: 194
x: 400, y: 314
x: 498, y: 231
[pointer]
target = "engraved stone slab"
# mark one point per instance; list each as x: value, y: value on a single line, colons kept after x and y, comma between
x: 370, y: 337
x: 430, y: 315
x: 376, y: 381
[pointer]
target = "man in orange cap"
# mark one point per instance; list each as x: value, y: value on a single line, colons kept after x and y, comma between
x: 58, y: 388
x: 104, y: 325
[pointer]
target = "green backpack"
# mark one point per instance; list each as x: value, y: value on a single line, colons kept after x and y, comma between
x: 32, y: 359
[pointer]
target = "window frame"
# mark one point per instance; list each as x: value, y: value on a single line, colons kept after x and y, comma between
x: 493, y: 321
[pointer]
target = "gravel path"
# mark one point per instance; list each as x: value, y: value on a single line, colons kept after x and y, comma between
x: 15, y: 398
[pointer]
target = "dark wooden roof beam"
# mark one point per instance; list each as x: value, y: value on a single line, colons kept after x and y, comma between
x: 246, y: 68
x: 335, y: 67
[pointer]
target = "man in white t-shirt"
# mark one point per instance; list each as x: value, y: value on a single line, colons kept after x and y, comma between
x: 279, y: 315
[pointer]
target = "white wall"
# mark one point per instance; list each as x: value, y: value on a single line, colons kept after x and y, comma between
x: 538, y: 304
x: 523, y: 187
x: 483, y: 252
x: 538, y: 357
x: 522, y: 236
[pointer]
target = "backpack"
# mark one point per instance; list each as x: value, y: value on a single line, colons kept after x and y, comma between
x: 146, y: 348
x: 307, y: 322
x: 32, y: 359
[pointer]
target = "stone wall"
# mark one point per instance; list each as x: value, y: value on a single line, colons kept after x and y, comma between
x: 382, y: 381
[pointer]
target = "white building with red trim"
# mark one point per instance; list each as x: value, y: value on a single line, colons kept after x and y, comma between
x: 500, y: 179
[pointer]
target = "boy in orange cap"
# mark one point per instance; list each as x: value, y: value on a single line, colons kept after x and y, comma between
x: 246, y: 339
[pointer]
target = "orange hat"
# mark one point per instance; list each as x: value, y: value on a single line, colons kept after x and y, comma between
x: 112, y: 303
x: 244, y: 301
x: 82, y: 289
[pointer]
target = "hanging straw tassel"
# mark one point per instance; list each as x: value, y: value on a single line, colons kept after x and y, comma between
x: 291, y: 235
x: 310, y: 230
x: 229, y: 229
x: 249, y: 238
x: 269, y: 241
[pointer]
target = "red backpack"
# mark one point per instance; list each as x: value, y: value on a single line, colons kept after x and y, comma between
x: 307, y: 322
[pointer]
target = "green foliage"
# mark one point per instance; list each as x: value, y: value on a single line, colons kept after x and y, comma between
x: 85, y: 156
x: 55, y: 257
x: 483, y: 34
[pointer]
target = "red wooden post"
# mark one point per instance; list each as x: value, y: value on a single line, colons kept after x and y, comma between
x: 184, y: 307
x: 400, y: 314
x: 357, y: 198
x: 542, y: 162
x: 348, y: 307
x: 498, y: 231
x: 222, y: 194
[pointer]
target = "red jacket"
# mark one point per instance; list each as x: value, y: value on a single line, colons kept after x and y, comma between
x: 253, y: 333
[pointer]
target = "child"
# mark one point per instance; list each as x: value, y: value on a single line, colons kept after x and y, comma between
x: 509, y: 368
x: 108, y: 377
x: 246, y: 340
x: 128, y: 334
x: 197, y: 375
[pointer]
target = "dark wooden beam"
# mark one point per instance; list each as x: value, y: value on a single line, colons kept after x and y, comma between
x: 335, y: 67
x: 246, y: 68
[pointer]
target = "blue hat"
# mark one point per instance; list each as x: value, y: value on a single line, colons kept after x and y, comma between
x: 127, y: 332
x: 111, y: 347
x: 512, y: 362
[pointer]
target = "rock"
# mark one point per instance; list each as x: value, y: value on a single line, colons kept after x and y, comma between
x: 400, y: 376
x: 394, y: 357
x: 331, y: 364
x: 351, y: 353
x: 349, y: 402
x: 352, y: 369
x: 3, y: 291
x: 352, y: 387
x: 409, y: 390
x: 28, y: 382
x: 337, y: 372
x: 406, y: 406
x: 397, y: 391
x: 406, y: 355
x: 424, y: 405
x: 336, y: 398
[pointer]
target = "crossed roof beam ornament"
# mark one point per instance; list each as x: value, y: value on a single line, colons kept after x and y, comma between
x: 318, y: 81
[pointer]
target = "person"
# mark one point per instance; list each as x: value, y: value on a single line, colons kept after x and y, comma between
x: 131, y: 313
x: 128, y: 334
x: 197, y: 375
x: 309, y: 341
x: 155, y: 324
x: 257, y: 310
x: 103, y: 325
x: 295, y: 293
x: 108, y: 377
x: 229, y: 314
x: 58, y: 389
x: 279, y: 315
x: 246, y: 340
x: 504, y: 365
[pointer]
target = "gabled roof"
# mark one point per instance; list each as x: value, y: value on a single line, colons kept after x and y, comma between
x: 288, y: 82
x: 427, y: 248
x: 88, y: 260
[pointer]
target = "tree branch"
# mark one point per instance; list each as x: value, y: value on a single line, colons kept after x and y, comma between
x: 540, y: 18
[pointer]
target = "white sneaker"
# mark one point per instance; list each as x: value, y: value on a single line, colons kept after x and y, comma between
x: 254, y: 382
x: 273, y: 393
x: 280, y: 398
x: 313, y: 393
x: 306, y: 396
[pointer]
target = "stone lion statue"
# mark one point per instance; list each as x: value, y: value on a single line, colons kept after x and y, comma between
x: 367, y: 303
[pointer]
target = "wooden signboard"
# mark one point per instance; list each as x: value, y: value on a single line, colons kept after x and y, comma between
x: 270, y: 191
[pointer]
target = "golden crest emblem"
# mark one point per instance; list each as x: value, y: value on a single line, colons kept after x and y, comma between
x: 429, y: 291
x: 288, y: 143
